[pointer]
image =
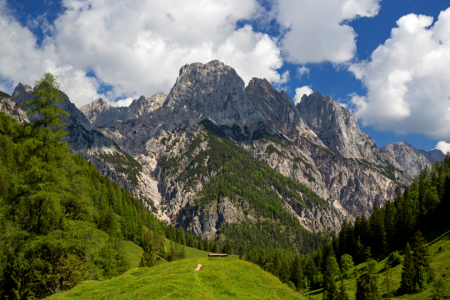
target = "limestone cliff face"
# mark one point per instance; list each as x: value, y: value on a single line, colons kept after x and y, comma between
x: 337, y: 127
x: 410, y: 159
x: 10, y: 108
x: 101, y: 114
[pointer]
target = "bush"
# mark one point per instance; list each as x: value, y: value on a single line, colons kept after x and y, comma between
x: 395, y: 258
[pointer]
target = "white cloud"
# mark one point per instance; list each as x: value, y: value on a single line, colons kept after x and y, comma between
x: 299, y: 92
x: 137, y: 47
x: 443, y: 146
x: 408, y: 79
x: 302, y: 71
x: 317, y: 31
x: 122, y: 102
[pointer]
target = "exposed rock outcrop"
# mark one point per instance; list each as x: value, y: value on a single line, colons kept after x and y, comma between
x: 337, y: 127
x: 410, y: 159
x: 101, y: 114
x: 10, y: 108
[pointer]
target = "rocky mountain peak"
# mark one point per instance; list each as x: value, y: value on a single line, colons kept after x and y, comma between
x: 22, y: 93
x: 100, y: 113
x: 213, y: 90
x: 277, y: 108
x: 336, y: 127
x: 410, y: 159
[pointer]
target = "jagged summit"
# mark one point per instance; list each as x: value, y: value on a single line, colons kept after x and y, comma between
x: 336, y: 127
x: 410, y: 159
x: 213, y: 90
x: 100, y: 113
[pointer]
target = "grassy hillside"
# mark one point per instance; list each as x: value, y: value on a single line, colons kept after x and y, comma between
x: 219, y: 278
x: 439, y: 239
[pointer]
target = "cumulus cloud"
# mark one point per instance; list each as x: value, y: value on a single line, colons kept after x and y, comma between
x: 136, y: 47
x: 299, y: 92
x: 443, y: 146
x: 316, y: 30
x: 408, y: 79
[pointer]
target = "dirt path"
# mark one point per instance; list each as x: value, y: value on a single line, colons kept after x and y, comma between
x: 198, y: 267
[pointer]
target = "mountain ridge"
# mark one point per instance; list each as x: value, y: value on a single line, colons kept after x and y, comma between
x: 317, y: 144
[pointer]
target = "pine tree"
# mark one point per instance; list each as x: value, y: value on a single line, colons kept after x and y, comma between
x: 408, y: 272
x: 215, y: 248
x: 347, y: 264
x: 388, y: 283
x: 149, y: 258
x: 329, y: 285
x: 421, y: 261
x: 297, y: 274
x: 241, y: 252
x: 284, y: 272
x: 342, y: 294
x: 367, y: 286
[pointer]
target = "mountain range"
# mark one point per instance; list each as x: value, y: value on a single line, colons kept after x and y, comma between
x: 192, y: 154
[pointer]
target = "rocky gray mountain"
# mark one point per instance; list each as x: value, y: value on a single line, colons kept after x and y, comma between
x: 101, y: 114
x: 10, y: 108
x: 268, y: 125
x: 337, y: 127
x: 410, y: 159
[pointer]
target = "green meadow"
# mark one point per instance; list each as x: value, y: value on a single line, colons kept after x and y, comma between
x: 218, y: 278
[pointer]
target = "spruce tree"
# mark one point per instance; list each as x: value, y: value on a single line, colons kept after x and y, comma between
x: 329, y: 286
x: 342, y: 294
x: 407, y: 284
x: 297, y: 274
x: 149, y: 258
x: 241, y: 252
x: 421, y: 261
x: 388, y: 282
x: 367, y: 286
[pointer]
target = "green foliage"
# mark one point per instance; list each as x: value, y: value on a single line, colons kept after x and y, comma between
x: 395, y: 258
x: 149, y: 258
x: 367, y: 286
x: 347, y: 264
x: 408, y: 272
x: 329, y: 286
x: 123, y: 163
x: 342, y: 294
x: 4, y: 95
x: 61, y: 221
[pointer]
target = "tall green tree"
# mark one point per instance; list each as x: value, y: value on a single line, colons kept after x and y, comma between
x: 421, y: 261
x: 388, y: 282
x: 367, y: 286
x: 297, y: 274
x: 408, y: 272
x: 329, y: 286
x: 342, y: 294
x: 347, y: 264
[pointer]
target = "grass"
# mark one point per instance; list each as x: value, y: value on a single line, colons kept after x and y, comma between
x: 219, y: 278
x: 440, y: 264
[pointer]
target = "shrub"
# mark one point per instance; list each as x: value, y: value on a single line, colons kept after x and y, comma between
x: 395, y: 258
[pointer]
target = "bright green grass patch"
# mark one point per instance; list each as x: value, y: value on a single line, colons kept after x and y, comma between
x: 219, y: 278
x: 134, y: 253
x: 190, y: 252
x: 440, y: 264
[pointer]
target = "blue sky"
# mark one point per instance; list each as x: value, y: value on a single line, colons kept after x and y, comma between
x: 120, y: 51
